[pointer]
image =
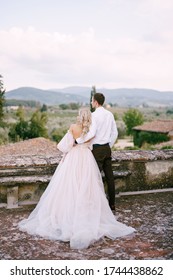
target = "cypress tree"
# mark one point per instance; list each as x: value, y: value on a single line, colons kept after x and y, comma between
x: 2, y: 98
x: 93, y: 91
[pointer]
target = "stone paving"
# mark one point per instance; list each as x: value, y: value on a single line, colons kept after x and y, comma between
x: 150, y: 214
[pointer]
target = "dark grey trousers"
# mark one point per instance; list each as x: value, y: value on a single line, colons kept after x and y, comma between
x: 102, y: 154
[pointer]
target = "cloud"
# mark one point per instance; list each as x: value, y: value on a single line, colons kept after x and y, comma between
x: 53, y: 59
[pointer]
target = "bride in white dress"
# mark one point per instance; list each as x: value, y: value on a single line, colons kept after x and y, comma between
x: 74, y: 206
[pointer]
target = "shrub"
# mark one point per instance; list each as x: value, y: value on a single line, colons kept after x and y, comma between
x: 168, y: 147
x: 35, y: 127
x: 132, y: 118
x: 140, y: 137
x: 57, y: 134
x: 121, y: 129
x: 3, y: 135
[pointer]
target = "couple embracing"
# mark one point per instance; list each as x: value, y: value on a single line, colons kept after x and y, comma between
x: 74, y: 206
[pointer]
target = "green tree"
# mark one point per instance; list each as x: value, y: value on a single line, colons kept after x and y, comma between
x: 43, y: 108
x: 23, y: 129
x: 19, y: 130
x: 22, y: 126
x: 2, y: 99
x: 63, y: 106
x: 38, y: 125
x: 57, y: 134
x: 74, y: 106
x: 93, y: 91
x: 20, y: 113
x: 132, y: 118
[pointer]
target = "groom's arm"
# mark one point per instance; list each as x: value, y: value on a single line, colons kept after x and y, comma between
x: 91, y: 133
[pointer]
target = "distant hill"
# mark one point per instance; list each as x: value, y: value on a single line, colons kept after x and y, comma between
x: 83, y: 91
x: 48, y: 97
x: 123, y: 97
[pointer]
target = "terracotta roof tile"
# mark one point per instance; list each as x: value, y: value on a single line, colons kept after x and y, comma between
x: 35, y: 146
x: 163, y: 126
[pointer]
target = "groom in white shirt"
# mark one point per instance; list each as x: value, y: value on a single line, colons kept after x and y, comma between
x: 104, y: 131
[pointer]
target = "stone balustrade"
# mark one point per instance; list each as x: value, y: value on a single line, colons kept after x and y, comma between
x: 23, y: 178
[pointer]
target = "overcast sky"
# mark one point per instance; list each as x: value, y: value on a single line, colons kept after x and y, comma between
x: 106, y: 43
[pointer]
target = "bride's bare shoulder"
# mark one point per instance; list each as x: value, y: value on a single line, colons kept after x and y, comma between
x: 72, y: 127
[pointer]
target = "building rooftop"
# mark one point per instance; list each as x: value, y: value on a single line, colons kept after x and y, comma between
x: 35, y: 146
x: 162, y: 126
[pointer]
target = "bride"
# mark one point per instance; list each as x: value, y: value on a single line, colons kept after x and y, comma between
x: 74, y: 206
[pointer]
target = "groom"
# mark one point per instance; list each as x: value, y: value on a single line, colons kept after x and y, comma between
x: 104, y: 131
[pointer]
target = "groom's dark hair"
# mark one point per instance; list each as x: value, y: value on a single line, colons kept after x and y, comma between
x: 99, y: 97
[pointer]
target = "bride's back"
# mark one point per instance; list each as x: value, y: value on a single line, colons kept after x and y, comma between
x: 76, y: 130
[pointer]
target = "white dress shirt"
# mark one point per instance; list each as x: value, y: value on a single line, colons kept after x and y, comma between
x: 103, y: 128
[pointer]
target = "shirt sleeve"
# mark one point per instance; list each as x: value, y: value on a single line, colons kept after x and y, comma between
x: 90, y: 134
x: 114, y: 132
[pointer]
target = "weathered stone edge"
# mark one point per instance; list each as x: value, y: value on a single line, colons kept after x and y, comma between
x: 16, y: 161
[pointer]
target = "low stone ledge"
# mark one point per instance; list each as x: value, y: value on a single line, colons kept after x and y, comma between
x: 133, y: 171
x: 16, y: 161
x: 142, y: 155
x: 9, y: 181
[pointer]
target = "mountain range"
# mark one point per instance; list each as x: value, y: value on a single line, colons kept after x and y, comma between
x: 123, y: 97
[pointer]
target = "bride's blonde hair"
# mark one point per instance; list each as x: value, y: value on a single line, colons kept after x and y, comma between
x: 84, y: 119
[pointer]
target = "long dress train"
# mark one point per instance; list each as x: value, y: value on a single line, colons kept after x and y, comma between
x: 74, y: 206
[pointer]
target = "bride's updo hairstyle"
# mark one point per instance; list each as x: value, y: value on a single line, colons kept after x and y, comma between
x: 84, y: 119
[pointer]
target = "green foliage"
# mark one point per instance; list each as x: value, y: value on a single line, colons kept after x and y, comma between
x: 132, y: 118
x: 43, y: 108
x: 116, y: 116
x: 23, y: 129
x: 20, y: 113
x: 169, y: 112
x: 19, y: 131
x: 38, y: 125
x: 26, y: 103
x: 168, y: 147
x: 3, y: 135
x: 12, y: 134
x: 157, y: 113
x: 93, y: 91
x: 132, y: 148
x: 121, y: 129
x: 63, y: 106
x: 141, y: 137
x: 57, y: 134
x: 2, y: 99
x: 72, y: 106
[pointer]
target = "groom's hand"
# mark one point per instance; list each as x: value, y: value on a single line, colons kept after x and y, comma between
x: 75, y: 143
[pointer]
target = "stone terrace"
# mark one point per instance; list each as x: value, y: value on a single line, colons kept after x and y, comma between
x: 150, y: 214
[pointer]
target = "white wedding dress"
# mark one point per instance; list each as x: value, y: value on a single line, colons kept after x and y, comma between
x: 74, y: 206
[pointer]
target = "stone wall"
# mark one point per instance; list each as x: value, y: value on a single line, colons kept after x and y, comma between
x: 24, y: 178
x: 145, y: 170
